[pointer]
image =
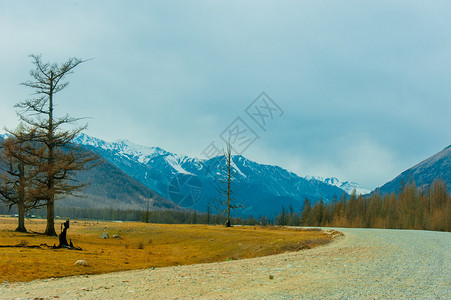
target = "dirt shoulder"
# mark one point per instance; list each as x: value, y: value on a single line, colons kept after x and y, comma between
x: 365, y: 263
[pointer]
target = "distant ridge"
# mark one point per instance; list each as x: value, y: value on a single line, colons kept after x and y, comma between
x: 347, y: 186
x: 438, y: 166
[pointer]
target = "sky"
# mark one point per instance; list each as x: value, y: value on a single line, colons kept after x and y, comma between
x: 358, y: 90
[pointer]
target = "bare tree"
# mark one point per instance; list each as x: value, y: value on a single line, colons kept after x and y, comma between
x: 58, y: 159
x: 225, y: 187
x: 18, y: 176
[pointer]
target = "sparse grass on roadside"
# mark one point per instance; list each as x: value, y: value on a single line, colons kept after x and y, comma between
x: 139, y: 245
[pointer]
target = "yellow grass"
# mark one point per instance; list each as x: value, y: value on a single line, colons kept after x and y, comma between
x: 140, y: 245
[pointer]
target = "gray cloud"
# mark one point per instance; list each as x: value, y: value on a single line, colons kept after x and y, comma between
x: 365, y: 86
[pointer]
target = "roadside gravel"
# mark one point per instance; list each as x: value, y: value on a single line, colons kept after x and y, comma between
x: 365, y: 263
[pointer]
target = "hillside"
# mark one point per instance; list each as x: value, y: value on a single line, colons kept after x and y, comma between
x: 110, y: 187
x: 437, y: 166
x: 262, y: 189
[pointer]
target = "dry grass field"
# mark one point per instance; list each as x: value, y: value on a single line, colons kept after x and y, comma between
x: 139, y: 245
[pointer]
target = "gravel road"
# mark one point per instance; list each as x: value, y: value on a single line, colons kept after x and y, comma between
x: 365, y: 263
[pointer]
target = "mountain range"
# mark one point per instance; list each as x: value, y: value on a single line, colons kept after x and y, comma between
x: 192, y: 183
x: 134, y: 176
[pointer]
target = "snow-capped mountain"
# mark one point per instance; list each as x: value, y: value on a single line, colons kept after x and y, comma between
x: 123, y: 147
x: 152, y: 166
x: 346, y: 186
x: 110, y: 187
x: 192, y: 183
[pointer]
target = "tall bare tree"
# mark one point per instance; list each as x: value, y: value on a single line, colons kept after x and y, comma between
x: 18, y: 175
x: 225, y: 186
x: 59, y: 159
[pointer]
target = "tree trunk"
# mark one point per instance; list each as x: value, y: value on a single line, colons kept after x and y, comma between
x: 50, y: 229
x: 21, y: 212
x: 228, y: 223
x: 229, y: 185
x: 21, y: 202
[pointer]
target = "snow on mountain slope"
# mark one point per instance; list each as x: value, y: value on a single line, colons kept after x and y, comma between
x: 155, y: 167
x: 109, y: 186
x: 263, y: 188
x: 347, y: 186
x: 135, y: 152
x: 123, y: 147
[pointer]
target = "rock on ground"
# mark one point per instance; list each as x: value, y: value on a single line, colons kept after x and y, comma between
x: 81, y: 262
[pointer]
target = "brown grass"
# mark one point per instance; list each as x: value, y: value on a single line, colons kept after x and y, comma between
x: 139, y: 245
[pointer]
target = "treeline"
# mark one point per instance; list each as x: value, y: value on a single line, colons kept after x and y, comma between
x: 151, y: 216
x: 411, y: 208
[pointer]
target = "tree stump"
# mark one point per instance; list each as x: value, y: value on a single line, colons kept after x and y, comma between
x: 63, y: 238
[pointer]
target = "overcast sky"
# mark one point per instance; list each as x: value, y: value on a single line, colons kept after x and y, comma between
x: 363, y: 87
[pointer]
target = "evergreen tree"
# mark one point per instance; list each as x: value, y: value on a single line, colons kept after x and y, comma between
x: 306, y: 214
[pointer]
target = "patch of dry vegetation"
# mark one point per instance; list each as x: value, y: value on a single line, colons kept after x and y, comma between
x: 138, y: 246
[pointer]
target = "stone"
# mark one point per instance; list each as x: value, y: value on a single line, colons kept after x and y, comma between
x: 105, y: 235
x: 116, y: 236
x: 81, y: 262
